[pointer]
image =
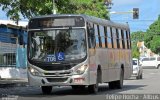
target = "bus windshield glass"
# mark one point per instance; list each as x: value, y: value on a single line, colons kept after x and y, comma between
x: 57, y: 45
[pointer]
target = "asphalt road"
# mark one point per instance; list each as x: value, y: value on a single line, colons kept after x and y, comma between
x: 150, y: 84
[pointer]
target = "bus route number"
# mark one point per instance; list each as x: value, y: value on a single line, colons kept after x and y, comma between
x: 55, y: 57
x: 51, y: 58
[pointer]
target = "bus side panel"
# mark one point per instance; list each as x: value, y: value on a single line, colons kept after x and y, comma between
x: 99, y: 59
x: 117, y: 64
x: 125, y: 60
x: 102, y: 60
x: 112, y: 63
x: 92, y: 67
x: 128, y: 64
x: 117, y: 59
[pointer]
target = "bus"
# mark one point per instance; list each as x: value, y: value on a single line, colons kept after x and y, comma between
x: 78, y: 51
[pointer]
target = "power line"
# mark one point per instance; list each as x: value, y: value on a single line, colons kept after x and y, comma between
x: 134, y: 20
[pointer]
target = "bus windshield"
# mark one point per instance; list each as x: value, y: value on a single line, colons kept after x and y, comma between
x: 57, y: 45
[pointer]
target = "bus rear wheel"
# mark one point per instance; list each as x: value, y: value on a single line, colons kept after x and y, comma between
x: 46, y: 89
x: 119, y: 83
x: 111, y: 85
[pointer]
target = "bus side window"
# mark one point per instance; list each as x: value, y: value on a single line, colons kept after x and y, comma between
x: 109, y: 40
x: 125, y: 38
x: 96, y: 35
x: 102, y: 36
x: 99, y: 36
x: 111, y: 32
x: 117, y: 38
x: 105, y: 35
x: 120, y: 38
x: 128, y: 39
x: 114, y: 37
x: 91, y: 36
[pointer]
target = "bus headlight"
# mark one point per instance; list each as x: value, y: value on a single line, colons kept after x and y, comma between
x: 81, y: 70
x: 34, y: 72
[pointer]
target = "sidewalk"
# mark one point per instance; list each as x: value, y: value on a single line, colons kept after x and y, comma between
x: 12, y: 82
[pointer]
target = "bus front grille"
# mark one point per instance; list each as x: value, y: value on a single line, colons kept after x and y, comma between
x: 57, y: 79
x: 59, y: 73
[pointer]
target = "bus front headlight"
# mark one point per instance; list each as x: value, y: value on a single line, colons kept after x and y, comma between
x: 81, y: 69
x: 34, y: 72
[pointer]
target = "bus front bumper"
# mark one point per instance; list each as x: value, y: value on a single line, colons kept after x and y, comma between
x: 58, y: 80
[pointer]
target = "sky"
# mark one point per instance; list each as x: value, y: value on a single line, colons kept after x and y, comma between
x: 148, y: 13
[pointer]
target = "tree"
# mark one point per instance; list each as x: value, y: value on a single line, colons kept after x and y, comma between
x: 136, y: 37
x: 152, y: 37
x: 135, y: 52
x: 30, y: 8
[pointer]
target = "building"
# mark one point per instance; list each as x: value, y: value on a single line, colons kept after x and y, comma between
x: 144, y: 51
x: 13, y: 41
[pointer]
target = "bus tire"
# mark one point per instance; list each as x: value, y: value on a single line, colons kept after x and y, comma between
x: 158, y: 66
x: 141, y: 76
x: 94, y: 88
x: 75, y: 87
x: 137, y: 77
x: 119, y: 83
x: 46, y: 89
x: 111, y: 85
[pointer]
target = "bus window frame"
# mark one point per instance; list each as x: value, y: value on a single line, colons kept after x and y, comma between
x: 123, y: 40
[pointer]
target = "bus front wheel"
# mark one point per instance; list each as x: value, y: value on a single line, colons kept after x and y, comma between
x: 94, y: 88
x: 76, y: 87
x: 46, y: 89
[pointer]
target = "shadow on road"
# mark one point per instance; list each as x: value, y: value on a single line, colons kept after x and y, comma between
x: 67, y: 91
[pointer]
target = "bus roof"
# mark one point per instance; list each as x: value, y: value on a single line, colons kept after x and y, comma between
x: 91, y: 19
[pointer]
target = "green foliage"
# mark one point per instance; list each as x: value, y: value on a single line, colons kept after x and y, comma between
x: 136, y: 37
x: 30, y: 8
x: 92, y: 7
x: 152, y: 37
x: 135, y: 52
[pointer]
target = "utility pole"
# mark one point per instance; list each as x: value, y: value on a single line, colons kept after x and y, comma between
x: 54, y: 7
x: 135, y: 13
x: 127, y: 12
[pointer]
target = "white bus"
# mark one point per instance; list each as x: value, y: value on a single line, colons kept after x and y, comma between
x: 79, y: 51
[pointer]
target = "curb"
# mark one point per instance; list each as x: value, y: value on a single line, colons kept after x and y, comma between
x: 12, y: 83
